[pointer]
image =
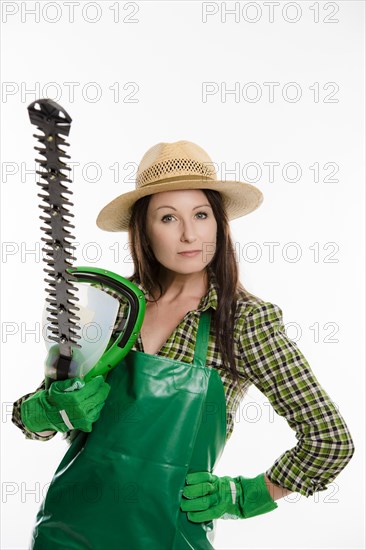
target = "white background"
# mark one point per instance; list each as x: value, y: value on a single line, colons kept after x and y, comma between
x: 168, y: 53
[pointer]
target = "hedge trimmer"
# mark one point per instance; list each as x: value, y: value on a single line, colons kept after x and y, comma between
x: 71, y: 355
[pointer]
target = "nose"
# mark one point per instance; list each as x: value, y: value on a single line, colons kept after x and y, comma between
x: 188, y: 233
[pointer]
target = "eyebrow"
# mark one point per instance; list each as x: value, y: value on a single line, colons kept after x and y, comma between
x: 172, y: 207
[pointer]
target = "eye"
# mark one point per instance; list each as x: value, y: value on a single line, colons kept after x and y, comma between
x: 165, y: 218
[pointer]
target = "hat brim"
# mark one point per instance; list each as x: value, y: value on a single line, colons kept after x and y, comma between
x: 240, y: 198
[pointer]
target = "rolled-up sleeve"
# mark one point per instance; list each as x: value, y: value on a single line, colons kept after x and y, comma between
x: 276, y: 366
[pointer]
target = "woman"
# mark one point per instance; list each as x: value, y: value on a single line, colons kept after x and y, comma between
x: 144, y: 471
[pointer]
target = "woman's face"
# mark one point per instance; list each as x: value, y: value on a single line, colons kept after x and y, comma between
x: 180, y: 221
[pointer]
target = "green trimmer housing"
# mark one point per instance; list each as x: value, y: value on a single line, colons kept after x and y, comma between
x: 122, y: 338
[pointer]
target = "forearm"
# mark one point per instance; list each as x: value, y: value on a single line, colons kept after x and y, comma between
x: 276, y: 491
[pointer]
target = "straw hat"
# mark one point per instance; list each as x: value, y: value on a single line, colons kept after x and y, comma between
x: 172, y: 166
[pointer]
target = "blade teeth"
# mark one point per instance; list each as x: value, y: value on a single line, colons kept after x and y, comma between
x: 51, y: 208
x: 53, y: 303
x: 46, y: 175
x: 51, y: 249
x: 53, y: 319
x: 51, y: 312
x: 71, y: 288
x: 74, y: 319
x: 57, y: 138
x: 59, y: 165
x: 67, y: 283
x: 52, y: 259
x: 52, y: 285
x: 48, y: 208
x: 58, y: 235
x: 52, y: 273
x: 60, y: 177
x: 55, y: 312
x: 51, y: 242
x: 73, y: 307
x: 68, y: 234
x: 62, y: 206
x: 71, y: 304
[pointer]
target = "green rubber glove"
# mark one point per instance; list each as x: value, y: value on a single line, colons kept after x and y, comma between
x: 66, y: 405
x: 207, y: 497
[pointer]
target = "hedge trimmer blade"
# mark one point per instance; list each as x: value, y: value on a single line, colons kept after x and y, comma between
x: 54, y: 122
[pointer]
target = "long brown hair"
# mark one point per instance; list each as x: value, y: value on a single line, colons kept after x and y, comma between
x: 223, y: 265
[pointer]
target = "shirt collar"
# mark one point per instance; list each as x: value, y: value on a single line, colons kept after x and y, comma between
x: 208, y: 300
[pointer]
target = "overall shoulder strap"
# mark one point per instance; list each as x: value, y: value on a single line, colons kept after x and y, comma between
x: 203, y: 333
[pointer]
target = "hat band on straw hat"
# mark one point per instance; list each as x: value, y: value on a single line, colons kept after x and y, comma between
x: 176, y: 168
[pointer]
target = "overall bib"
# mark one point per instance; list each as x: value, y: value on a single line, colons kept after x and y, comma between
x: 120, y: 486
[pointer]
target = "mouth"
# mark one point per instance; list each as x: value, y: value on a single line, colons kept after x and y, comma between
x: 189, y: 253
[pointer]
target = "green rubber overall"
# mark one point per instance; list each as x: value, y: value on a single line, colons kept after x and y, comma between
x: 121, y: 485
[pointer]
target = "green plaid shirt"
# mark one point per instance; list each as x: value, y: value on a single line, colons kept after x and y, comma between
x: 267, y: 358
